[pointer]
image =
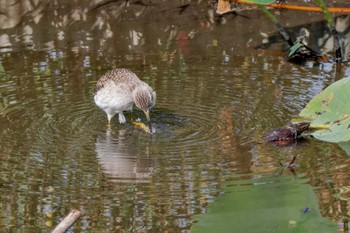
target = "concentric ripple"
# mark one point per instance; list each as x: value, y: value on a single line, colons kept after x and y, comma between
x: 56, y: 145
x: 45, y: 118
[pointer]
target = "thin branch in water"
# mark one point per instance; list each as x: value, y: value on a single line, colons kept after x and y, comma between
x: 68, y: 221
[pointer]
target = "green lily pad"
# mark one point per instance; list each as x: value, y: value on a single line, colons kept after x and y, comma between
x: 330, y: 112
x: 272, y: 204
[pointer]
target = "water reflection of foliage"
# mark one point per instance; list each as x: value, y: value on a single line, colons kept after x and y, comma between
x: 329, y: 175
x: 94, y: 25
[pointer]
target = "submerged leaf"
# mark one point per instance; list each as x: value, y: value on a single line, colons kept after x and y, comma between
x: 331, y: 108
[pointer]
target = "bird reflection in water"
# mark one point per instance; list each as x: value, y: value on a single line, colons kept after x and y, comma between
x: 121, y: 160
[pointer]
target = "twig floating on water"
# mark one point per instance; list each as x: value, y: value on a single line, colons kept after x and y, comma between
x: 67, y: 222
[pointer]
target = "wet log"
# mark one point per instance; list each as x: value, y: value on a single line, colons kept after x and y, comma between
x: 67, y: 222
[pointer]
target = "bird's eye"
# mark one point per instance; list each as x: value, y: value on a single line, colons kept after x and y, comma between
x: 151, y: 102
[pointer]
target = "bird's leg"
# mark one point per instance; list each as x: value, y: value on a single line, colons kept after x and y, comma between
x: 121, y: 118
x: 132, y: 117
x: 109, y: 117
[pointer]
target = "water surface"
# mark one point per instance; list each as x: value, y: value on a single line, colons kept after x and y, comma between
x: 217, y: 97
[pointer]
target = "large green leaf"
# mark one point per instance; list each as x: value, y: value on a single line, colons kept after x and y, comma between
x: 260, y: 1
x: 331, y: 110
x: 275, y: 204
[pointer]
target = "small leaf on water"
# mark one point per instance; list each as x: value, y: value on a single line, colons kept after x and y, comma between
x: 294, y: 48
x: 49, y: 223
x: 49, y: 214
x: 292, y: 223
x: 224, y: 6
x: 50, y: 189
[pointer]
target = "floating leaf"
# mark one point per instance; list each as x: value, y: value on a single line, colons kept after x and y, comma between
x: 331, y: 110
x: 49, y: 223
x: 224, y: 6
x: 274, y: 204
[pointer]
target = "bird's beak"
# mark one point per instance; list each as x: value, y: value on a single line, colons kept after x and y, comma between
x: 147, y: 113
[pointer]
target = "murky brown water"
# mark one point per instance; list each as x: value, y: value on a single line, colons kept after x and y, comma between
x: 217, y: 97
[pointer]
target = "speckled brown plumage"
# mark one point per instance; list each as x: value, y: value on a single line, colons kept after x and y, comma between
x: 119, y: 89
x: 120, y: 75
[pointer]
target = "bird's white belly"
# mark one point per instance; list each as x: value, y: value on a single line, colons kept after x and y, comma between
x: 113, y: 100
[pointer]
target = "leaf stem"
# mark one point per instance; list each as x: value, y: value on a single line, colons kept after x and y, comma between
x: 275, y: 21
x: 329, y: 18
